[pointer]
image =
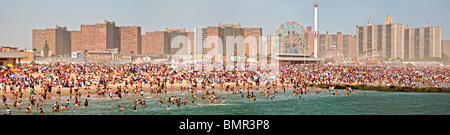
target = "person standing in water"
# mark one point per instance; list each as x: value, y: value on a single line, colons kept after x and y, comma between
x: 8, y: 111
x: 41, y: 111
x: 86, y: 102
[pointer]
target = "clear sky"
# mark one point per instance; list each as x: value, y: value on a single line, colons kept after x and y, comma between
x: 19, y: 17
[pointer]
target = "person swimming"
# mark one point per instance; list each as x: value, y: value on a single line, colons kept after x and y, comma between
x: 144, y: 104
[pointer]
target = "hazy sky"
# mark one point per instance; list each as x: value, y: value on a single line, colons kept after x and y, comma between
x: 19, y: 17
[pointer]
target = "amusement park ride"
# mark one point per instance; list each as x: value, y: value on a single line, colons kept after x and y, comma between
x: 292, y: 38
x: 293, y: 43
x: 294, y: 46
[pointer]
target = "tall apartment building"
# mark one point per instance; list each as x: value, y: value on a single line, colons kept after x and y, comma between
x: 57, y: 39
x: 100, y: 37
x: 253, y: 37
x: 351, y: 46
x: 200, y: 35
x: 228, y: 38
x: 214, y: 40
x: 130, y: 40
x: 97, y: 37
x: 183, y: 37
x: 446, y: 47
x: 345, y: 43
x: 385, y: 40
x: 155, y: 42
x: 75, y: 37
x: 191, y: 37
x: 397, y: 41
x: 423, y: 42
x: 160, y: 42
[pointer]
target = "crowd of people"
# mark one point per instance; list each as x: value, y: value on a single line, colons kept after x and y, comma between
x: 401, y: 76
x: 36, y: 82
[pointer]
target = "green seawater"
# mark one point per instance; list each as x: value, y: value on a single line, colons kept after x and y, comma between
x: 366, y: 103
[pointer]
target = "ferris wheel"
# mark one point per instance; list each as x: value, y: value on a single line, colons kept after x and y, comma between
x: 292, y: 38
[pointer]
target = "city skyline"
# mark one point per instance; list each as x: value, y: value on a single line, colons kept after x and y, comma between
x: 19, y: 18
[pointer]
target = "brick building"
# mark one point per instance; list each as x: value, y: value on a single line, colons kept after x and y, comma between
x: 76, y: 45
x: 58, y: 40
x: 345, y: 43
x: 155, y: 43
x: 100, y: 37
x: 130, y: 40
x: 160, y: 42
x: 225, y: 37
x: 446, y: 47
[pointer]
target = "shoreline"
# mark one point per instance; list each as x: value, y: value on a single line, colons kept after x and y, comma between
x: 177, y: 87
x: 388, y: 89
x: 65, y: 91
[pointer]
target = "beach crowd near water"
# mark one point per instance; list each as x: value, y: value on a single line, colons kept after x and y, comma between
x: 36, y: 84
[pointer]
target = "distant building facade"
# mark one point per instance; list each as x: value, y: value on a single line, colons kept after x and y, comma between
x: 446, y: 47
x: 130, y: 40
x: 9, y: 49
x: 380, y: 40
x: 98, y: 38
x: 228, y: 38
x: 423, y: 42
x: 160, y: 42
x: 343, y: 44
x: 395, y: 41
x: 76, y: 44
x: 58, y: 40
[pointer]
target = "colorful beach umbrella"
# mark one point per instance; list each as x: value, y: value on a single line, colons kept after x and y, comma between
x: 226, y: 74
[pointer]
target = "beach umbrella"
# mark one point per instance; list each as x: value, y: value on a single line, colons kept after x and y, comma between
x: 12, y: 75
x: 10, y: 65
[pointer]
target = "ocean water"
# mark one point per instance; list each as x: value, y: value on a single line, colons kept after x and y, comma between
x: 366, y: 103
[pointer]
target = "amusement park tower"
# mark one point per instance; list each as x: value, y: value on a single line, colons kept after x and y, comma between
x: 316, y: 33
